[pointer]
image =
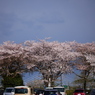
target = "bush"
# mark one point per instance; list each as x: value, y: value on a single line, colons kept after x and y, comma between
x: 69, y: 92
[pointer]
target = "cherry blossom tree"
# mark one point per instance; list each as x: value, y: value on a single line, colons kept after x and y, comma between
x: 85, y: 61
x: 11, y: 58
x: 36, y: 83
x: 51, y: 59
x: 87, y: 51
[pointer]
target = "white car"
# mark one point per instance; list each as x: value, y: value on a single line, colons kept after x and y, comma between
x: 22, y: 90
x: 60, y: 89
x: 9, y: 91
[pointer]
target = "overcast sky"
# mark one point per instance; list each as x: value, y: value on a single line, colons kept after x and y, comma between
x: 62, y: 20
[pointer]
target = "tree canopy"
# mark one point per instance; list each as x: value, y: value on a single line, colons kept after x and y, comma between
x: 11, y: 58
x: 51, y: 59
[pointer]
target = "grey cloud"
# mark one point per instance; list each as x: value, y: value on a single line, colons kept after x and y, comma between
x: 6, y: 22
x: 51, y: 20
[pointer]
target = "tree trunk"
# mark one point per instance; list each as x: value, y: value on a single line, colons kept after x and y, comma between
x: 84, y: 84
x: 85, y: 80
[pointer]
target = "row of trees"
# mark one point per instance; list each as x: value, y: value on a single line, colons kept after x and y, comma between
x: 51, y: 59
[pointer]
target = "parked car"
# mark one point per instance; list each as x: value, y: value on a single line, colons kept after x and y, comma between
x: 50, y: 92
x: 88, y: 92
x: 22, y: 90
x: 1, y: 91
x: 39, y: 92
x: 60, y: 89
x: 92, y: 92
x: 9, y: 91
x: 79, y: 92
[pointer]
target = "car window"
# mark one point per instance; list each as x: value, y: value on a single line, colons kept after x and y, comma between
x: 21, y: 90
x: 79, y: 90
x: 8, y: 90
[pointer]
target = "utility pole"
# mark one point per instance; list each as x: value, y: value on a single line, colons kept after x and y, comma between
x: 61, y: 80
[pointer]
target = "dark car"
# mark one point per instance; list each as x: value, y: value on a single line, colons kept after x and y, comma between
x: 92, y: 92
x: 39, y: 92
x: 50, y: 92
x: 1, y: 91
x: 79, y: 92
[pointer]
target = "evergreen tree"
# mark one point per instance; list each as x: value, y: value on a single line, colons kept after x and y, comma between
x: 10, y: 81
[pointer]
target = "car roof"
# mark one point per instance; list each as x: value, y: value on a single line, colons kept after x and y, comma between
x: 9, y: 87
x: 21, y: 87
x: 50, y: 90
x: 58, y: 87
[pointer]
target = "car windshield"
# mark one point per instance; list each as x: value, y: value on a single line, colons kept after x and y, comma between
x: 8, y: 90
x: 60, y: 89
x: 39, y: 91
x: 21, y: 90
x: 79, y: 90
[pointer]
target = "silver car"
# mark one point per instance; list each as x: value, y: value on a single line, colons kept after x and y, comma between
x: 9, y: 91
